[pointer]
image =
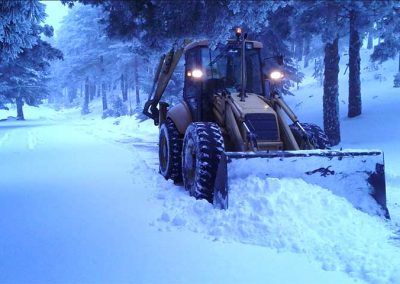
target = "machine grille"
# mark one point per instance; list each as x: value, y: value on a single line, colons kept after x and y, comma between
x: 263, y: 125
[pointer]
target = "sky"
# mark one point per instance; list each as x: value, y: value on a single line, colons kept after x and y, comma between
x: 55, y: 13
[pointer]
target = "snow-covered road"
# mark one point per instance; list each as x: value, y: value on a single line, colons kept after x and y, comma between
x: 75, y: 208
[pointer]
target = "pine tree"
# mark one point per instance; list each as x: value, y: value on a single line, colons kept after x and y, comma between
x: 323, y: 19
x: 124, y: 88
x: 85, y: 106
x: 136, y: 78
x: 331, y: 92
x: 24, y: 56
x: 25, y: 78
x: 388, y: 29
x: 18, y: 19
x: 361, y: 16
x: 370, y: 43
x: 354, y: 107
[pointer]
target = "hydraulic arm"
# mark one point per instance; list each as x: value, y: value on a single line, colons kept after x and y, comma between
x: 165, y: 69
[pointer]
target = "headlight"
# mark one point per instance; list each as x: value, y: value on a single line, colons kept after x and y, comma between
x: 195, y: 73
x: 238, y: 31
x: 276, y: 75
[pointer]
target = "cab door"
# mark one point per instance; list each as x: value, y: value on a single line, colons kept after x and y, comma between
x: 193, y: 85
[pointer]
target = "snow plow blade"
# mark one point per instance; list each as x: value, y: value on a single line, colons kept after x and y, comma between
x: 357, y: 175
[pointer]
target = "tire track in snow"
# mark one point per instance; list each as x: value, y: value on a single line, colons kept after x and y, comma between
x: 32, y: 140
x: 14, y: 139
x: 4, y: 138
x: 144, y: 151
x: 19, y: 138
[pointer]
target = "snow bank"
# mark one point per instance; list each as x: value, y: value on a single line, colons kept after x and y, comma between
x: 291, y: 215
x: 32, y: 113
x: 345, y: 174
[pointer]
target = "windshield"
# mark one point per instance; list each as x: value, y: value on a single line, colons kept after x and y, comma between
x: 226, y: 66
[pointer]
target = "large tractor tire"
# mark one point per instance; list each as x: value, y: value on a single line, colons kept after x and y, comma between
x: 202, y: 148
x: 316, y: 137
x: 170, y: 151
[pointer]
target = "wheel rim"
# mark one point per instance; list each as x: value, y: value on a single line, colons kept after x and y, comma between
x: 163, y: 154
x: 190, y: 166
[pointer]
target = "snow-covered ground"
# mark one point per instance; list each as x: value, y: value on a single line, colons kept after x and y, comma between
x: 75, y: 208
x: 81, y: 200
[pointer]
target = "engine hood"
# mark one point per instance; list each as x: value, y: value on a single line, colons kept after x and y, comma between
x: 253, y: 104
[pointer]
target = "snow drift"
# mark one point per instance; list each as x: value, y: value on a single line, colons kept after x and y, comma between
x: 291, y: 215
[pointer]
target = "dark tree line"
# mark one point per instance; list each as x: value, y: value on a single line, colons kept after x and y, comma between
x: 115, y: 44
x: 285, y: 27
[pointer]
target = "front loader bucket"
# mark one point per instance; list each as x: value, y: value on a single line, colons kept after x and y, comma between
x: 357, y: 175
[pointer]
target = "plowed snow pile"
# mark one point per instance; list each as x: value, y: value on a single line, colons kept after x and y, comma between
x: 291, y: 215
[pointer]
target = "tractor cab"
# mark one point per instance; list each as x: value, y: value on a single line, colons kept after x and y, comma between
x: 209, y: 71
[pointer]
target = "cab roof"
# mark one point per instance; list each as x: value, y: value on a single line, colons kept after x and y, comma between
x: 205, y: 43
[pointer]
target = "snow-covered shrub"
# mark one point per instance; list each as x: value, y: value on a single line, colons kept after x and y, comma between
x: 107, y: 113
x: 85, y: 109
x: 379, y: 77
x: 372, y: 67
x: 118, y: 107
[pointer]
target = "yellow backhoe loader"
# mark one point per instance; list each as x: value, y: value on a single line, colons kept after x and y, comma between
x: 232, y: 121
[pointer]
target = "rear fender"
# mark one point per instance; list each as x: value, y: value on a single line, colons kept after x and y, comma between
x: 181, y: 116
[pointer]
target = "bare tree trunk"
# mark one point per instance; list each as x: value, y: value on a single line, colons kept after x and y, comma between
x: 299, y: 48
x: 136, y: 74
x: 98, y: 91
x: 92, y: 91
x: 85, y: 107
x: 331, y: 92
x: 20, y: 103
x: 72, y: 93
x: 65, y: 97
x: 396, y: 82
x: 399, y: 61
x: 103, y: 87
x: 307, y: 43
x: 51, y: 98
x: 126, y: 86
x: 370, y: 41
x: 123, y: 88
x: 354, y: 68
x: 104, y: 96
